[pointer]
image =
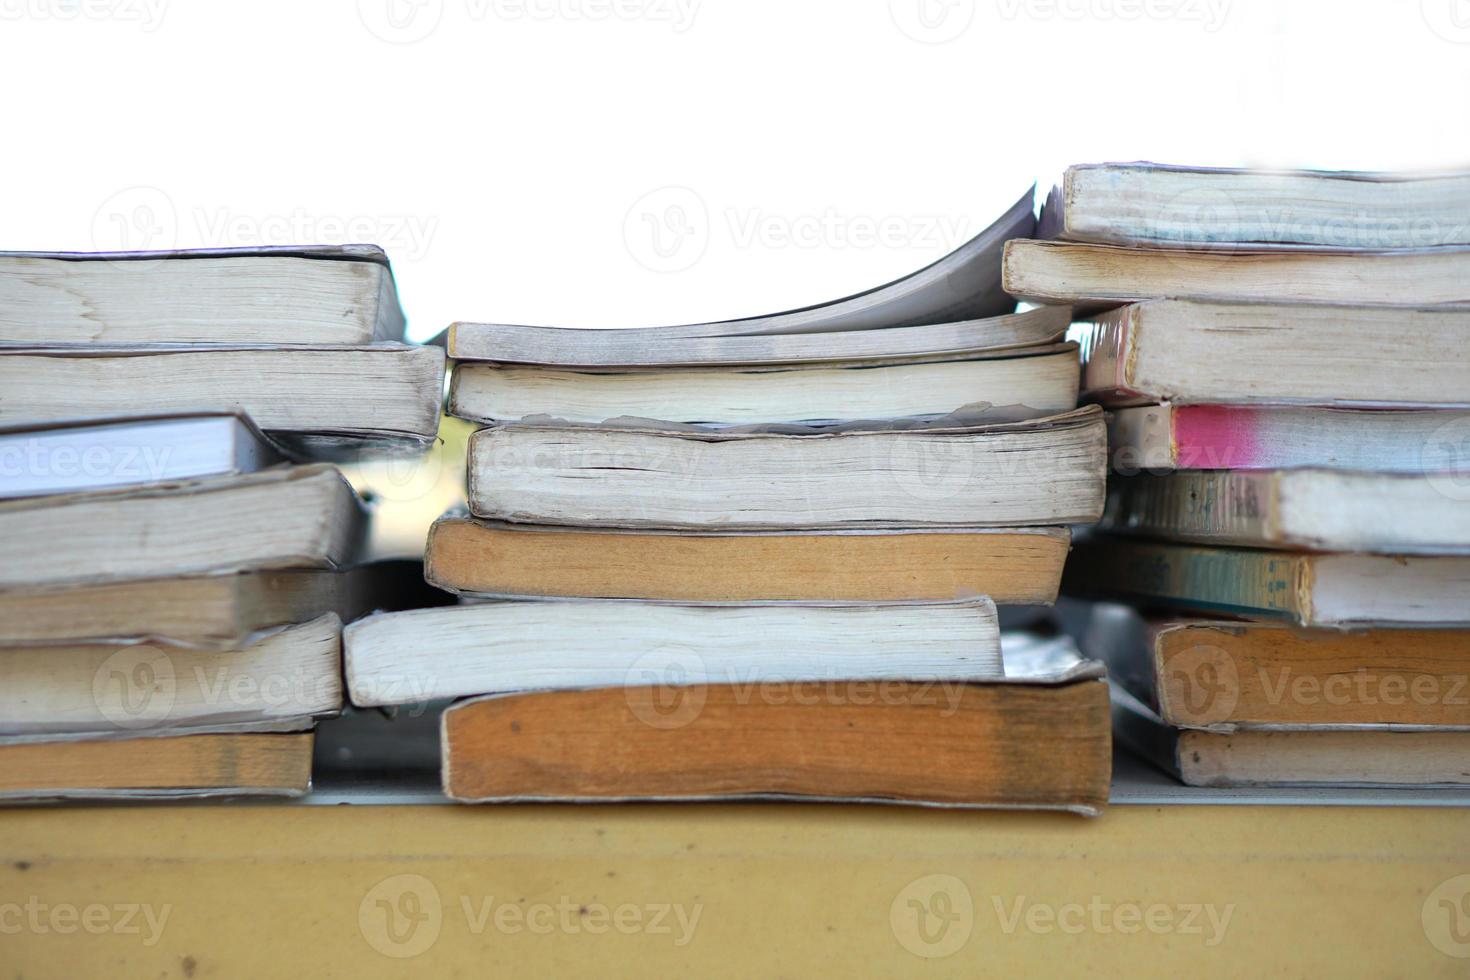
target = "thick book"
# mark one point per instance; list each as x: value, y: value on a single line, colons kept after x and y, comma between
x: 1152, y: 204
x: 297, y: 295
x: 500, y: 646
x: 484, y: 558
x: 286, y: 517
x: 323, y: 395
x: 503, y: 343
x: 188, y: 766
x: 1303, y: 509
x: 1045, y: 471
x: 1158, y: 438
x: 1331, y: 590
x: 1297, y: 757
x: 147, y: 449
x: 281, y: 682
x: 1015, y: 384
x: 1097, y: 277
x: 1035, y: 739
x: 1223, y: 675
x: 1197, y: 352
x: 215, y: 612
x: 962, y: 286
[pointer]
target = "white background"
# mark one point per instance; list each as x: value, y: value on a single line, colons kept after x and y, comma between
x: 517, y: 157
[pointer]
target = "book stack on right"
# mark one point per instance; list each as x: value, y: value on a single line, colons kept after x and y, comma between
x: 1289, y: 496
x: 763, y: 557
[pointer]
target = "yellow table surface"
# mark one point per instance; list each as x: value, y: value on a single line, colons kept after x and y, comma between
x: 768, y: 890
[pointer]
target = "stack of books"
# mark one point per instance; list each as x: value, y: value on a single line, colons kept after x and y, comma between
x: 172, y: 587
x: 1289, y: 388
x: 762, y: 557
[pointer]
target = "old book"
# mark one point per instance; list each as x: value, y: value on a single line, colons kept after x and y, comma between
x: 1300, y: 757
x: 295, y: 295
x: 278, y: 683
x: 723, y: 344
x: 1155, y: 438
x: 1223, y: 675
x: 1197, y: 352
x: 216, y: 612
x: 1016, y: 384
x: 158, y: 768
x: 1011, y: 565
x: 288, y: 517
x: 425, y: 654
x: 1012, y: 744
x: 1096, y: 277
x: 1333, y: 590
x: 147, y: 449
x: 962, y: 286
x: 1154, y: 204
x: 1314, y: 510
x: 384, y: 392
x: 1046, y: 471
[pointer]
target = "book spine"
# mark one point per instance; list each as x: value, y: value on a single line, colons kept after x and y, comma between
x: 1220, y: 437
x: 1235, y: 580
x: 1108, y: 351
x: 1209, y: 506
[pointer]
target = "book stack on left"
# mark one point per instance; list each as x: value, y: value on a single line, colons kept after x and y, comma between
x: 763, y: 557
x: 172, y: 584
